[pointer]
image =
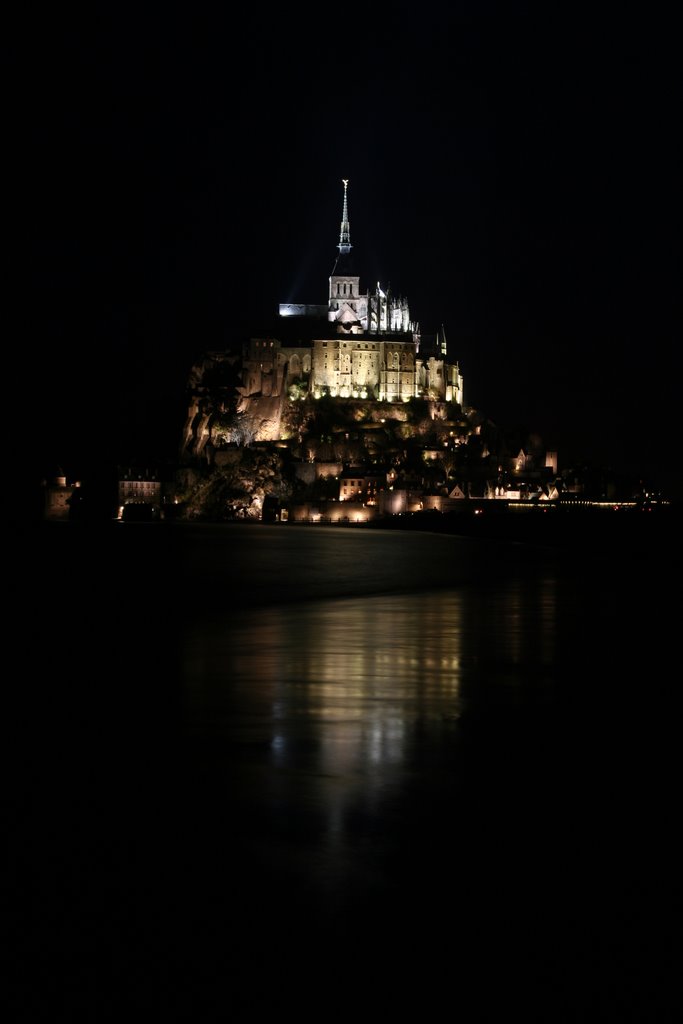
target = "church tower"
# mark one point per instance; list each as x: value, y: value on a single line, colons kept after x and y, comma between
x: 346, y: 306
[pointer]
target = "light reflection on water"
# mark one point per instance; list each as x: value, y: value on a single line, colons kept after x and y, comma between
x: 456, y: 754
x: 360, y: 672
x: 347, y: 710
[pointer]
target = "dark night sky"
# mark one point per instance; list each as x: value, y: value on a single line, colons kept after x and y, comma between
x: 513, y: 170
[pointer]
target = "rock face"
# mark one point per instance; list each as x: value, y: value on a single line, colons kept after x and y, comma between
x: 265, y: 414
x: 213, y: 398
x: 238, y: 484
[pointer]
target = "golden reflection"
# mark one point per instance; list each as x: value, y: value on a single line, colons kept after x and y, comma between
x: 374, y: 666
x: 338, y: 696
x: 360, y: 673
x: 354, y: 698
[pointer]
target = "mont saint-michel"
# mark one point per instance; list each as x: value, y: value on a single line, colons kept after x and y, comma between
x: 337, y: 404
x: 344, y: 411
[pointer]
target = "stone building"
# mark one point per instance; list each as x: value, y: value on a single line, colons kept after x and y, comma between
x: 363, y: 344
x: 138, y: 487
x: 58, y: 495
x: 359, y: 344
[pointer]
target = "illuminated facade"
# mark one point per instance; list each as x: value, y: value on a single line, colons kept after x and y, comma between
x: 358, y: 345
x: 139, y: 487
x: 366, y: 345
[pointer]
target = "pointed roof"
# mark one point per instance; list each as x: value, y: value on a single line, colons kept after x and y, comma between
x: 345, y: 234
x: 344, y: 264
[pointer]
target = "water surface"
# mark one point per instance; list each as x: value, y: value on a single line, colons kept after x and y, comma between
x: 248, y: 754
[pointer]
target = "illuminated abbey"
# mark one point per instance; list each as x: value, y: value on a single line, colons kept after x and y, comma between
x: 368, y: 347
x: 365, y: 344
x: 360, y: 345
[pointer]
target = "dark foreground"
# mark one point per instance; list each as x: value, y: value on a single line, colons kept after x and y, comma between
x: 313, y: 772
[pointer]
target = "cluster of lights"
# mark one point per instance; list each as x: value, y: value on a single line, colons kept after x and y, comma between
x: 343, y: 392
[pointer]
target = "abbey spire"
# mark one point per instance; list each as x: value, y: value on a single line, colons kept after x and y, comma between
x: 346, y: 304
x: 345, y: 234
